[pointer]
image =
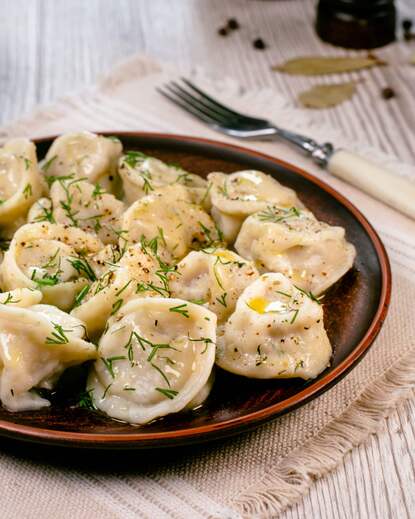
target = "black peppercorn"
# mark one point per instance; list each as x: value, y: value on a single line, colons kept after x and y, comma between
x: 259, y: 44
x: 223, y: 31
x: 388, y: 93
x: 233, y: 24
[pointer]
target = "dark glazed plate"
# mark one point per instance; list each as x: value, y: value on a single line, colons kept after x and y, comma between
x: 355, y: 309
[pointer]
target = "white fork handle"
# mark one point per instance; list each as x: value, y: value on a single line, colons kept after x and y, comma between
x: 391, y: 189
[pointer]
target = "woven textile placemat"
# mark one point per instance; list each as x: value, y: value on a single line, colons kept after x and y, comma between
x: 260, y: 473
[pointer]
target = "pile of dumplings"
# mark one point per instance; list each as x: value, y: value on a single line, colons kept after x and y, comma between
x: 154, y: 275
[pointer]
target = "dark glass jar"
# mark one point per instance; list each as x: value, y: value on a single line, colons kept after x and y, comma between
x: 356, y: 24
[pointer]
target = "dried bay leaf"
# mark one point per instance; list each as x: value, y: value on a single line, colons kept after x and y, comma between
x: 324, y: 96
x: 316, y: 66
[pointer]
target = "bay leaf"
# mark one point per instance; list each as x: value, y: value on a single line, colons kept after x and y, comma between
x: 324, y: 96
x: 319, y: 65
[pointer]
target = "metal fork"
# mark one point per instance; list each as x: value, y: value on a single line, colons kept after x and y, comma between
x: 225, y: 120
x: 391, y: 189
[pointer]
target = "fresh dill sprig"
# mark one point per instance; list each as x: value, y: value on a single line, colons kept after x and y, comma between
x: 98, y: 191
x: 313, y: 297
x: 27, y: 163
x: 205, y: 340
x: 161, y: 373
x: 58, y: 336
x: 48, y: 163
x: 85, y: 400
x: 46, y: 280
x: 9, y: 300
x: 81, y: 296
x: 169, y: 393
x: 52, y: 263
x: 147, y: 187
x: 224, y: 189
x: 278, y: 214
x: 206, y: 194
x: 132, y: 158
x: 28, y: 191
x: 46, y: 215
x: 104, y: 394
x: 108, y: 363
x: 222, y: 299
x: 83, y: 268
x: 116, y: 306
x: 180, y: 309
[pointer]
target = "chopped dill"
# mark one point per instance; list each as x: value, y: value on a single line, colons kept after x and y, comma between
x: 169, y: 393
x: 81, y: 296
x: 180, y: 309
x: 85, y: 400
x: 9, y: 300
x: 83, y: 268
x: 222, y: 299
x: 28, y: 191
x: 58, y: 336
x: 278, y: 214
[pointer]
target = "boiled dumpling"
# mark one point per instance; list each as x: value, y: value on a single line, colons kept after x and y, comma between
x: 216, y: 277
x: 236, y: 196
x: 169, y: 216
x: 154, y: 360
x: 276, y: 331
x: 78, y: 203
x: 137, y: 273
x: 313, y: 254
x: 36, y: 345
x: 20, y: 181
x: 85, y: 155
x: 142, y: 174
x: 51, y: 258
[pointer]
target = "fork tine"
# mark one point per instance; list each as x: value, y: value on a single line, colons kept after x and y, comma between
x: 225, y: 114
x: 187, y: 108
x: 187, y: 98
x: 207, y: 97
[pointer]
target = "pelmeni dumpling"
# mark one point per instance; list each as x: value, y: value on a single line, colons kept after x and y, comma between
x: 36, y: 345
x: 276, y: 331
x: 51, y: 258
x: 313, y: 254
x: 78, y: 203
x: 134, y: 274
x: 142, y: 174
x: 156, y: 357
x: 20, y: 181
x: 85, y: 155
x: 236, y: 196
x: 169, y: 216
x: 217, y: 277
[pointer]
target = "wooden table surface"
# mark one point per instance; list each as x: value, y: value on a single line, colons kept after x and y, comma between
x: 53, y: 47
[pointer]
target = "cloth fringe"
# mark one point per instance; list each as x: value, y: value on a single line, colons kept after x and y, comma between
x: 285, y: 484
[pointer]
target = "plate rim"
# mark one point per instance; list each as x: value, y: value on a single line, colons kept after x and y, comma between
x: 252, y: 419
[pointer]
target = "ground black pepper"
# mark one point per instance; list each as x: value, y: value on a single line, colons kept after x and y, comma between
x: 233, y: 24
x: 259, y: 44
x: 388, y: 93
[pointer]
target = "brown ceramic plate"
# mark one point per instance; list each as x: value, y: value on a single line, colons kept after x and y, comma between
x: 354, y: 312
